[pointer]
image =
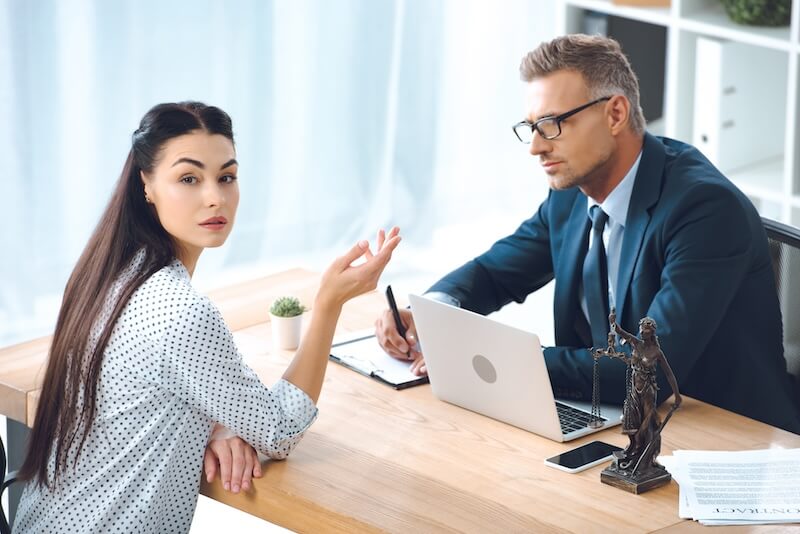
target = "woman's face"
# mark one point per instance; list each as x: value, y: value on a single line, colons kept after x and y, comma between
x: 194, y: 191
x: 646, y: 331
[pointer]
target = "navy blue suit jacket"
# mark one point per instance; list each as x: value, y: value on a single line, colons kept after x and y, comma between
x: 694, y: 258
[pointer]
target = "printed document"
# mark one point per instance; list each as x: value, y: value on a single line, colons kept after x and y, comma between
x: 737, y: 487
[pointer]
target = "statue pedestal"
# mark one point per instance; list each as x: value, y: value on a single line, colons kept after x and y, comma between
x: 643, y: 480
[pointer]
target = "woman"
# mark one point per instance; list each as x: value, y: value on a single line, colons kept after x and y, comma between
x: 141, y: 366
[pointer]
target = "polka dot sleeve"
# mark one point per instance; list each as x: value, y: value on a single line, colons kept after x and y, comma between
x: 201, y: 365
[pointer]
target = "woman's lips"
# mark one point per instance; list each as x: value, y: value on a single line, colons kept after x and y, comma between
x: 214, y: 223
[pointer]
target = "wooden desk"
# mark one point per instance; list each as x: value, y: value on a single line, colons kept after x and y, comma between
x: 385, y: 460
x: 399, y: 461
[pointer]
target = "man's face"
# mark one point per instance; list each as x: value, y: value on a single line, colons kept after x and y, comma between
x: 581, y: 154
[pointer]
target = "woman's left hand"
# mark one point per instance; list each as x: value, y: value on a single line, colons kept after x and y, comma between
x: 236, y: 461
x: 342, y: 280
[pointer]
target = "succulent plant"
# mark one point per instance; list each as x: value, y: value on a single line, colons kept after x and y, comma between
x: 759, y: 12
x: 287, y: 307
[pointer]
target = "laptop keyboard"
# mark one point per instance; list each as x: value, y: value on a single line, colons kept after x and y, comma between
x: 573, y: 419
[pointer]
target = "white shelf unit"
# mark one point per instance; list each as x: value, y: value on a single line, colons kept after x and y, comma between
x: 773, y: 184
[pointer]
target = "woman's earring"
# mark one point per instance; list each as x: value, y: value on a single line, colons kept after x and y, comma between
x: 147, y: 199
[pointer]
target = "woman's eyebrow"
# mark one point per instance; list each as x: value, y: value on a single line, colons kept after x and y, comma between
x: 229, y: 163
x: 201, y: 165
x: 190, y: 161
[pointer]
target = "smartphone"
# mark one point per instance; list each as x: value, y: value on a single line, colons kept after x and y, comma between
x: 583, y: 457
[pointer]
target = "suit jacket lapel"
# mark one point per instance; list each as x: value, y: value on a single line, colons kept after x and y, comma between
x: 646, y: 191
x: 570, y: 265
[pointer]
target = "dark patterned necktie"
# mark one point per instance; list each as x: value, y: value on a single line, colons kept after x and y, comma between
x: 595, y: 279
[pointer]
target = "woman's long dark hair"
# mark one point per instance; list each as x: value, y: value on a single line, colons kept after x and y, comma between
x: 67, y: 404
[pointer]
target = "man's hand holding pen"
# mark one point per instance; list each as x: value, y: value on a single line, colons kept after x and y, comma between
x: 397, y: 335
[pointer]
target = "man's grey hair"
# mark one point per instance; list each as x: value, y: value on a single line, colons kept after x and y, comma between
x: 600, y: 61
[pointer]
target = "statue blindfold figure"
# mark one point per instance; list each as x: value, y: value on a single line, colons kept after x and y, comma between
x: 635, y: 469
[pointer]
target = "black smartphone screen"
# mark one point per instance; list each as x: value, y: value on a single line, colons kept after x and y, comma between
x: 585, y: 454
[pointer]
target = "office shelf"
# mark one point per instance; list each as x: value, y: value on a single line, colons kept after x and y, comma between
x: 652, y: 15
x: 761, y: 180
x: 709, y: 18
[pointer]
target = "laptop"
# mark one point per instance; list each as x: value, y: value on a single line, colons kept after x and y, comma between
x: 498, y: 371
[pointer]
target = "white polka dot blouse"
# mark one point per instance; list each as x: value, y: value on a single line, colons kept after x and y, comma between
x: 170, y: 371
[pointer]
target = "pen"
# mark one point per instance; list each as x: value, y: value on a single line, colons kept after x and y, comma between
x: 396, y: 314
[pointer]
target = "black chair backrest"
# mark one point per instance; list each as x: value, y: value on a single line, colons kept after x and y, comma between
x: 784, y: 247
x: 5, y: 481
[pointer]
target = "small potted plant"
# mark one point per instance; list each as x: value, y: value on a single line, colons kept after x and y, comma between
x: 287, y: 319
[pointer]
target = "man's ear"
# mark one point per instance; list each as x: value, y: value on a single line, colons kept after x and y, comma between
x: 619, y: 109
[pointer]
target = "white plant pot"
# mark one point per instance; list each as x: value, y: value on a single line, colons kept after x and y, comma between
x: 286, y: 331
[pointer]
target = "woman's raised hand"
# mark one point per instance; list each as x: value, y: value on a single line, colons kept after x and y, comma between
x: 343, y: 280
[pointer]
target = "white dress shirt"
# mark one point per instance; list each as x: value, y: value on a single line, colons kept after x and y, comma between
x: 616, y: 207
x: 169, y: 372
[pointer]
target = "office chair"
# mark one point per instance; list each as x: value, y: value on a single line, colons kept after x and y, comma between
x: 784, y: 248
x: 7, y: 480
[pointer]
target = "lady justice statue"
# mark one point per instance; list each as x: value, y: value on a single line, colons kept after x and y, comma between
x: 635, y: 469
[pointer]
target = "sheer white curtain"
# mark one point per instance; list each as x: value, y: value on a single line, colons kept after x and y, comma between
x: 349, y: 115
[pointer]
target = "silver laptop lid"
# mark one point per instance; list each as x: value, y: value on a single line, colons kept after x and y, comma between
x: 490, y: 368
x: 486, y: 366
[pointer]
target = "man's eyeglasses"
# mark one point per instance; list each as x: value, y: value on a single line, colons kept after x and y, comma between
x: 548, y: 127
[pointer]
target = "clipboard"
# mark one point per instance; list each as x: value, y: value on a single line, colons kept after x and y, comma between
x: 365, y: 356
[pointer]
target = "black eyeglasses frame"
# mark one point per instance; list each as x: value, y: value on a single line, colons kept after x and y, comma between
x: 534, y: 126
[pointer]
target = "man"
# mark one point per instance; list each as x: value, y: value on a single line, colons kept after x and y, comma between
x: 642, y: 224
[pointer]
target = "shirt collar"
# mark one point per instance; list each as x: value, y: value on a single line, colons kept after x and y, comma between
x: 616, y: 203
x: 179, y: 269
